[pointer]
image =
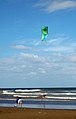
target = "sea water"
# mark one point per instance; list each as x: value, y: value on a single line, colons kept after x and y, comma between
x: 48, y: 98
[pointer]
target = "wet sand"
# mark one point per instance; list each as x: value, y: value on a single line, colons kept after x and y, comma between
x: 26, y: 113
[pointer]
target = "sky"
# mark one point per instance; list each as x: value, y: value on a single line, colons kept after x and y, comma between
x: 25, y: 60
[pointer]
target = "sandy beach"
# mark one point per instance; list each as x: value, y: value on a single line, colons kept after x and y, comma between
x: 26, y: 113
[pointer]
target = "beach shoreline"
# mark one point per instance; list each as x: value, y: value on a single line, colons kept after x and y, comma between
x: 32, y: 113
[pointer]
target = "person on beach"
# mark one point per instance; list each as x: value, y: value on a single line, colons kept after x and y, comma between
x: 19, y: 101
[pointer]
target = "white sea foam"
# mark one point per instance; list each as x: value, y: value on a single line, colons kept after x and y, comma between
x: 62, y: 93
x: 61, y: 97
x: 33, y: 90
x: 8, y: 92
x: 27, y: 96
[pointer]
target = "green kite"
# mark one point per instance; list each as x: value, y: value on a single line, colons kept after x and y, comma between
x: 44, y: 33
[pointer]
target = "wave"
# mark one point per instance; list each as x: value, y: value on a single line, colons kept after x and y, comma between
x: 41, y: 93
x: 61, y: 97
x: 33, y: 90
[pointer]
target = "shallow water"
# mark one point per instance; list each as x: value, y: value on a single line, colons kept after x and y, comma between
x: 40, y: 106
x: 40, y: 103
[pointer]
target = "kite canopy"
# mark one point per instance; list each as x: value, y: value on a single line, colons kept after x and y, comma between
x: 44, y: 33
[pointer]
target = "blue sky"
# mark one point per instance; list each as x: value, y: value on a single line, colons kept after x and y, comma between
x: 25, y: 60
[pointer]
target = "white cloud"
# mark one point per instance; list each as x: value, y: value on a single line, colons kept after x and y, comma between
x: 30, y: 56
x: 62, y: 49
x: 34, y: 58
x: 21, y: 47
x: 42, y: 70
x: 72, y: 58
x: 59, y: 45
x: 33, y: 73
x: 55, y: 5
x: 33, y: 67
x: 55, y: 57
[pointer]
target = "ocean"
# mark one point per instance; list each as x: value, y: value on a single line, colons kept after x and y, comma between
x: 48, y: 98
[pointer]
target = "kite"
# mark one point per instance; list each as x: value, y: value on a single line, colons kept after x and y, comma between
x: 44, y: 33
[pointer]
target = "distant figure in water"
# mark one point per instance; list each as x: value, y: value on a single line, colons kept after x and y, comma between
x: 19, y: 101
x: 43, y: 96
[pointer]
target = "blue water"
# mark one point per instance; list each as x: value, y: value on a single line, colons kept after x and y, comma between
x: 55, y: 98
